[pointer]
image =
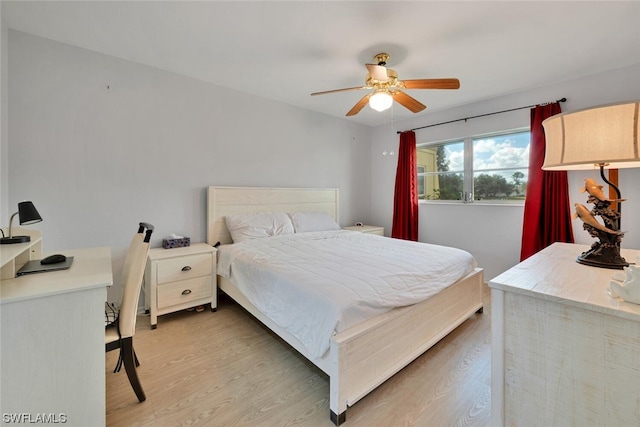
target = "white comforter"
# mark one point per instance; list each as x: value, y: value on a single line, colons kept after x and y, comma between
x: 319, y: 283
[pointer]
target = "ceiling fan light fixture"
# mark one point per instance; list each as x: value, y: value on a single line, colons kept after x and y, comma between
x: 387, y: 89
x: 380, y: 101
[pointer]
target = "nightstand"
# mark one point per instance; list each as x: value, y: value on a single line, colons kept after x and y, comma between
x: 179, y: 278
x: 371, y: 229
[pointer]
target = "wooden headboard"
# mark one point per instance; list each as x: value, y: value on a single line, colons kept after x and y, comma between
x: 223, y: 201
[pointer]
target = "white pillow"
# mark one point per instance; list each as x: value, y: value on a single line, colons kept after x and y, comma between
x: 313, y: 221
x: 255, y: 226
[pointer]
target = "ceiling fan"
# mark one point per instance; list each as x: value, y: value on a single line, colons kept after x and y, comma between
x: 386, y: 87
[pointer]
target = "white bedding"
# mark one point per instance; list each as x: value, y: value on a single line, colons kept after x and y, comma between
x: 319, y: 283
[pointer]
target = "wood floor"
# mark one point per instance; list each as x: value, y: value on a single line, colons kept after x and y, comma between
x: 226, y: 369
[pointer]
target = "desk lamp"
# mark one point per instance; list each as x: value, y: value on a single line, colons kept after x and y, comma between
x: 605, y: 137
x: 28, y: 215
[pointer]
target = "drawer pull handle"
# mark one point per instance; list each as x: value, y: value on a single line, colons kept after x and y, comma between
x: 186, y: 268
x: 186, y: 292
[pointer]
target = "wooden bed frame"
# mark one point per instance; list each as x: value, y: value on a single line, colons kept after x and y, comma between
x: 364, y: 356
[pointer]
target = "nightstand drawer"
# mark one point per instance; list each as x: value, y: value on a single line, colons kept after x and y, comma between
x: 184, y: 291
x: 186, y: 267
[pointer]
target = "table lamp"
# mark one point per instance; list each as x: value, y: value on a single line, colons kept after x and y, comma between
x: 605, y: 137
x: 28, y: 215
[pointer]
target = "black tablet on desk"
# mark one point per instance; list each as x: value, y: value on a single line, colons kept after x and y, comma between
x: 34, y: 266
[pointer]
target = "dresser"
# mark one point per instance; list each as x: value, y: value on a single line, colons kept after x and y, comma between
x: 564, y: 352
x: 52, y: 339
x: 371, y: 229
x: 179, y: 278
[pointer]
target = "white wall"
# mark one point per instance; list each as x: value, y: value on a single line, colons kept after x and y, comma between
x: 100, y: 143
x: 4, y: 170
x: 493, y: 233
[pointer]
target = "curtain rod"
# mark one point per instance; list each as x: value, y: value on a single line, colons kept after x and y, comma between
x: 481, y: 115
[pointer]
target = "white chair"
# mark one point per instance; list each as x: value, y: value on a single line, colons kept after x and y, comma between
x: 120, y: 335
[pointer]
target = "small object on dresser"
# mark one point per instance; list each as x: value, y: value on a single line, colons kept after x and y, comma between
x: 175, y: 241
x: 629, y: 290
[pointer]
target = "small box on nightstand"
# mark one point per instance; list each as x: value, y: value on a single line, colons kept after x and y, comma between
x: 176, y: 243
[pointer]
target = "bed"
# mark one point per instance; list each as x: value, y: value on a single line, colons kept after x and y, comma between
x: 361, y: 355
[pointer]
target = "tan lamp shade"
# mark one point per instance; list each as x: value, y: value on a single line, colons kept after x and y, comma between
x: 581, y: 139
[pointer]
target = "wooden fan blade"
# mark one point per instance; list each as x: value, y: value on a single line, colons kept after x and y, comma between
x: 378, y: 72
x: 340, y: 90
x: 408, y: 102
x: 432, y: 84
x: 359, y: 105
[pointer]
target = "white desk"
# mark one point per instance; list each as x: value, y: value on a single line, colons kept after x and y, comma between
x: 564, y: 353
x: 52, y: 341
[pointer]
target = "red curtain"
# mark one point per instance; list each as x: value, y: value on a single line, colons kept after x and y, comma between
x: 405, y: 201
x: 547, y: 214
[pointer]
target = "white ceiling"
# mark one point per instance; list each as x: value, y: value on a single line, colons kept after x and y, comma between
x: 286, y: 50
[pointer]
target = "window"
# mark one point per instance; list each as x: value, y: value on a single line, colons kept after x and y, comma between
x: 443, y: 166
x: 491, y: 168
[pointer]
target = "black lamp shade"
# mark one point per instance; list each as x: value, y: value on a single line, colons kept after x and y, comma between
x: 28, y: 213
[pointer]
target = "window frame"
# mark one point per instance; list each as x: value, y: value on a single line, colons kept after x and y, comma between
x: 469, y: 171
